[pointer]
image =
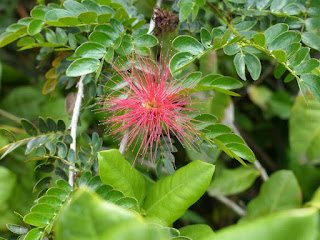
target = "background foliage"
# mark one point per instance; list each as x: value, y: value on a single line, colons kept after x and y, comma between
x: 254, y: 62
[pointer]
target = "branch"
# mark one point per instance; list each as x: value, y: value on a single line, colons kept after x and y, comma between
x: 73, y: 126
x: 152, y: 23
x: 124, y: 141
x: 232, y: 205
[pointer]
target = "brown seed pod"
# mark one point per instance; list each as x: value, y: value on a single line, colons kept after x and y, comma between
x: 165, y: 21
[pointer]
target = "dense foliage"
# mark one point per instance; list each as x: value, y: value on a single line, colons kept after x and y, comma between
x: 215, y: 106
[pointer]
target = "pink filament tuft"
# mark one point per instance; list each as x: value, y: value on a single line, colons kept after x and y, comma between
x: 156, y: 106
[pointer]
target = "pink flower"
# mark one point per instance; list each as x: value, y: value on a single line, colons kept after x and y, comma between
x: 152, y: 106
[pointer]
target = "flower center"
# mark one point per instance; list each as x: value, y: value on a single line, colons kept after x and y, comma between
x: 150, y: 104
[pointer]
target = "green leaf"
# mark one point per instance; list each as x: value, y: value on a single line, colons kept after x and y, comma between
x: 74, y: 7
x: 90, y: 50
x: 82, y: 66
x: 204, y: 120
x: 280, y: 192
x: 127, y: 202
x: 44, y: 209
x: 274, y: 31
x: 216, y: 130
x: 280, y: 55
x: 55, y: 14
x: 17, y: 229
x: 180, y: 61
x: 245, y: 26
x: 7, y: 38
x: 146, y: 41
x: 294, y: 225
x: 242, y: 151
x: 300, y: 55
x: 239, y: 63
x: 36, y: 219
x: 233, y: 181
x: 206, y: 38
x: 119, y: 173
x: 312, y: 83
x: 197, y: 232
x: 88, y: 17
x: 285, y: 39
x: 62, y: 36
x: 171, y: 196
x: 7, y: 134
x: 101, y: 37
x: 62, y: 149
x: 311, y: 39
x: 97, y: 217
x: 35, y: 26
x: 25, y: 41
x: 185, y: 11
x: 103, y: 18
x: 34, y: 234
x: 309, y: 115
x: 260, y: 39
x: 306, y: 67
x: 29, y: 127
x: 50, y: 35
x: 292, y: 49
x: 187, y: 44
x: 253, y: 65
x: 7, y: 184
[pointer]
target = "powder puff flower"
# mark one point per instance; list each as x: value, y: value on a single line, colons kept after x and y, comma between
x: 152, y: 106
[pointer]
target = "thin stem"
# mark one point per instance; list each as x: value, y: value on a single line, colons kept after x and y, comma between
x: 73, y: 126
x: 305, y: 15
x: 124, y: 141
x: 9, y: 116
x: 152, y: 23
x: 230, y: 204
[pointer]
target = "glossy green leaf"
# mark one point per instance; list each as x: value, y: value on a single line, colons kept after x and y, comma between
x: 180, y: 61
x: 97, y: 217
x: 239, y: 63
x: 311, y: 39
x: 197, y: 232
x: 7, y: 134
x: 294, y: 225
x: 29, y: 127
x: 88, y: 17
x: 62, y: 149
x: 307, y: 67
x: 300, y: 55
x: 187, y: 44
x: 233, y: 181
x: 260, y: 39
x: 242, y: 151
x: 7, y: 38
x: 44, y: 209
x: 171, y: 196
x: 74, y: 7
x: 280, y: 192
x: 215, y: 130
x: 146, y: 41
x: 274, y: 31
x: 285, y: 39
x: 309, y: 115
x: 82, y: 66
x: 90, y: 50
x: 312, y: 82
x: 280, y: 55
x: 17, y: 229
x: 119, y: 173
x: 62, y: 36
x: 50, y: 200
x: 253, y: 65
x: 36, y: 219
x: 292, y: 49
x: 55, y: 14
x: 35, y: 26
x: 34, y: 234
x: 245, y: 26
x: 206, y: 38
x: 204, y: 120
x: 101, y: 37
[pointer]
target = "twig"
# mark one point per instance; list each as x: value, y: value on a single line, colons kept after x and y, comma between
x: 73, y: 126
x: 152, y: 23
x: 124, y: 141
x: 232, y: 205
x: 9, y: 116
